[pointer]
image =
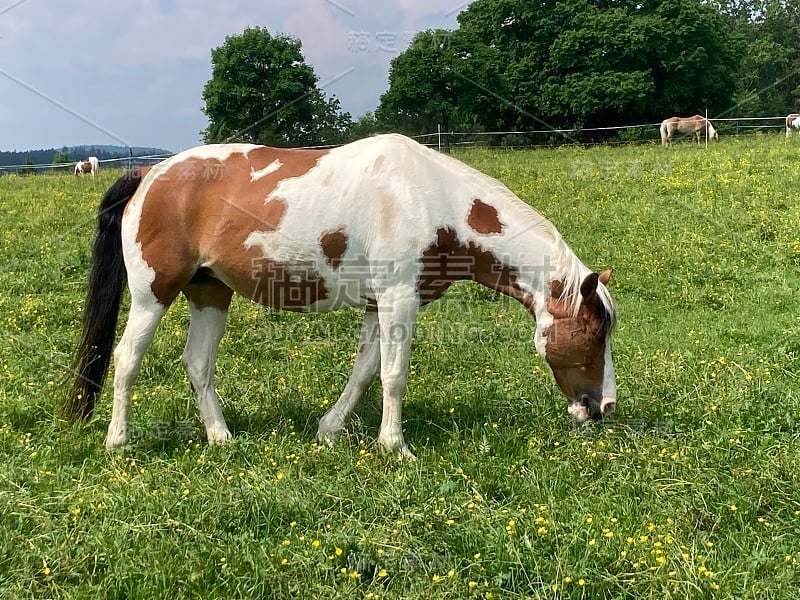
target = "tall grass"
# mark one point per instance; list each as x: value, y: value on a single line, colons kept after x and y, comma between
x: 691, y: 490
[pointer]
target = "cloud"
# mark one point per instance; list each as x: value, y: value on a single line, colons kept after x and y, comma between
x: 414, y: 10
x: 138, y: 68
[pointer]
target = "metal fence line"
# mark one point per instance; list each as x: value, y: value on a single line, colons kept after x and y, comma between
x: 450, y: 134
x: 71, y: 164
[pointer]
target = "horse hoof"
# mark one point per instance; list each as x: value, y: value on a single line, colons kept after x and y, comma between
x: 116, y: 441
x: 218, y: 437
x: 398, y: 448
x: 328, y: 436
x: 403, y: 453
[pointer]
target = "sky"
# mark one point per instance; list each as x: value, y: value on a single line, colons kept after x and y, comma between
x: 132, y: 73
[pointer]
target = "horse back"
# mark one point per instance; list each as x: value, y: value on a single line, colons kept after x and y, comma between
x: 324, y: 225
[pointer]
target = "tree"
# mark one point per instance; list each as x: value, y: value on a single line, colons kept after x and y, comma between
x: 517, y: 64
x: 27, y: 168
x: 769, y: 76
x: 444, y: 79
x: 697, y: 65
x: 604, y: 62
x: 365, y: 126
x: 262, y: 91
x: 423, y: 92
x: 62, y: 157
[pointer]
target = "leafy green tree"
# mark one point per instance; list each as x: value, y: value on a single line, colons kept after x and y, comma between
x: 444, y: 79
x: 517, y: 64
x: 262, y: 91
x: 697, y: 64
x: 62, y: 157
x: 27, y: 168
x: 423, y: 92
x: 605, y: 62
x: 769, y: 76
x: 365, y: 126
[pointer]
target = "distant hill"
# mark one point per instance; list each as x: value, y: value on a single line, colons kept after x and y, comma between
x: 76, y: 153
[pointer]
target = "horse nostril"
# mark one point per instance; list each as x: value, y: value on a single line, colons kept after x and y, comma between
x: 608, y: 406
x: 584, y: 401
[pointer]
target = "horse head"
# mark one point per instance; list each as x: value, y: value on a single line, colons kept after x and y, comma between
x: 576, y: 346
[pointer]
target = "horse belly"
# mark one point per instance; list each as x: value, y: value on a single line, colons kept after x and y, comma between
x: 303, y: 286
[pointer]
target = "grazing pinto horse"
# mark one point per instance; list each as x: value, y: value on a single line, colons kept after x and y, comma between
x: 384, y: 223
x: 90, y: 165
x: 792, y: 123
x: 693, y: 125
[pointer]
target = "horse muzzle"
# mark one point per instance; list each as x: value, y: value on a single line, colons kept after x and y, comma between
x: 585, y: 407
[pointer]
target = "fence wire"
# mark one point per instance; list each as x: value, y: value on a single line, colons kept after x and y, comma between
x: 534, y: 138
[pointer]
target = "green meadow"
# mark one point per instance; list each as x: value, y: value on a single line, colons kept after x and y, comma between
x: 691, y: 490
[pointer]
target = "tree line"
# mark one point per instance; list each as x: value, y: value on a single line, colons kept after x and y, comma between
x: 516, y: 64
x: 521, y: 64
x: 72, y: 154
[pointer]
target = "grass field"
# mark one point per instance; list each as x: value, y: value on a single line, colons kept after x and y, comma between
x: 691, y: 490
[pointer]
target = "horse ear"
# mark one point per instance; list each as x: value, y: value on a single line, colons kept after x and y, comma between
x: 605, y: 276
x: 589, y: 285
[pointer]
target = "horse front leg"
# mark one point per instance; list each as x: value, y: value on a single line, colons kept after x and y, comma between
x: 397, y: 312
x: 368, y: 358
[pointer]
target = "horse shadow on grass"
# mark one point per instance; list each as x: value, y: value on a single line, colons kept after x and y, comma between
x: 424, y: 424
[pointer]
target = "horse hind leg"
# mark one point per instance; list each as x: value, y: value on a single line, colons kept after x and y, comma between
x: 209, y: 300
x: 143, y: 319
x: 365, y: 368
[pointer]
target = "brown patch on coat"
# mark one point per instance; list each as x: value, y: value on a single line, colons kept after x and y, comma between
x: 198, y: 213
x: 448, y: 259
x: 334, y: 245
x: 483, y: 218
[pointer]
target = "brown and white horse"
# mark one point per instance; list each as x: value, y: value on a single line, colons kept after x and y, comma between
x: 792, y: 123
x: 384, y: 223
x: 694, y: 125
x: 90, y: 165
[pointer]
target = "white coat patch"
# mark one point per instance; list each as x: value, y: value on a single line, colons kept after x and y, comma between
x: 270, y: 168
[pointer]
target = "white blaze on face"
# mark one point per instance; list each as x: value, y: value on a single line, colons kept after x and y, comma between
x: 544, y: 320
x: 609, y: 402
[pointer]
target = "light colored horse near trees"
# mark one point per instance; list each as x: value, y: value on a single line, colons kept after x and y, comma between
x: 792, y: 123
x: 90, y: 165
x: 384, y: 223
x: 694, y: 125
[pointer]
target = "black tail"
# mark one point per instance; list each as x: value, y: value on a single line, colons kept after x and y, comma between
x: 101, y: 309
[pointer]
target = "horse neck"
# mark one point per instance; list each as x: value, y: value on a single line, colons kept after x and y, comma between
x: 520, y: 253
x: 528, y: 258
